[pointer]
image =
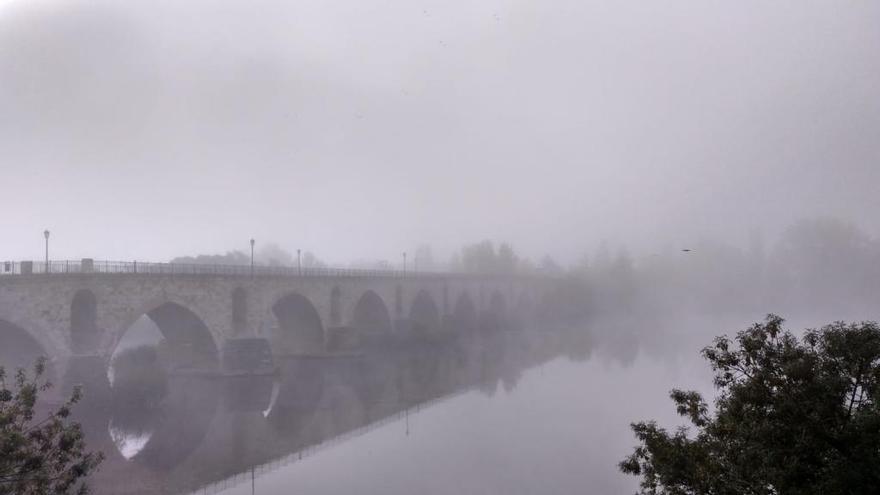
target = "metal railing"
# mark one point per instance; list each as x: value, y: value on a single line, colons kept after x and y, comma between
x: 88, y: 266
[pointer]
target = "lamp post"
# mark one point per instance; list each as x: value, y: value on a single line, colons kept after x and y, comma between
x: 46, y: 235
x: 252, y: 257
x: 404, y: 264
x: 299, y: 262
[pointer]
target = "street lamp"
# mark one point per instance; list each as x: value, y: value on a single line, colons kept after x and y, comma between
x: 46, y: 235
x: 299, y: 262
x: 252, y: 257
x: 404, y: 264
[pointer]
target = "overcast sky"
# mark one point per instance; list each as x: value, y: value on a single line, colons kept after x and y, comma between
x: 357, y: 129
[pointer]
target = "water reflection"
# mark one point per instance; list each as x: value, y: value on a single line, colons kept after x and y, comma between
x: 180, y: 433
x: 128, y: 442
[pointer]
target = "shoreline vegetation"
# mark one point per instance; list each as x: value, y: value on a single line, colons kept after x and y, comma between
x: 791, y: 415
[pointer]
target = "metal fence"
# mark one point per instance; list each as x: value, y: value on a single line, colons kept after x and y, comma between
x: 88, y: 266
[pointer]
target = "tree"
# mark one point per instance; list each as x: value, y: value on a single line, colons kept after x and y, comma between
x: 482, y: 257
x: 269, y: 253
x: 825, y: 262
x: 479, y: 257
x: 40, y: 456
x: 274, y: 255
x: 423, y: 259
x: 455, y: 263
x: 230, y: 258
x: 309, y: 260
x: 507, y: 260
x: 792, y: 417
x: 549, y: 266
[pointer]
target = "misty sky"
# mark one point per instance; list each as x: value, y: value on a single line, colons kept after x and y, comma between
x: 357, y: 129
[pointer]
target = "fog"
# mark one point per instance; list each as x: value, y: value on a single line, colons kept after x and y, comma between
x: 585, y: 192
x: 357, y: 130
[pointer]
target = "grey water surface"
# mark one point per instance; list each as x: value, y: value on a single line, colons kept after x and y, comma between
x: 517, y: 412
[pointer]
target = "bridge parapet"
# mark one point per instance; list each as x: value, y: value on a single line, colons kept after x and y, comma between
x: 90, y: 266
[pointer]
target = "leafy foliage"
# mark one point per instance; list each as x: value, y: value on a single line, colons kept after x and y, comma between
x: 792, y: 417
x: 39, y: 456
x: 483, y: 257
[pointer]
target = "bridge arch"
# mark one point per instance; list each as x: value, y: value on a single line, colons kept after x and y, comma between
x: 299, y: 329
x: 370, y: 316
x: 84, y: 333
x: 465, y: 313
x: 19, y: 348
x: 496, y: 313
x: 398, y: 300
x: 498, y: 303
x: 239, y: 311
x: 188, y: 341
x: 525, y: 309
x: 424, y: 315
x: 335, y: 306
x: 544, y: 307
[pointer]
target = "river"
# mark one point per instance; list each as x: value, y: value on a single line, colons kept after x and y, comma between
x: 515, y: 413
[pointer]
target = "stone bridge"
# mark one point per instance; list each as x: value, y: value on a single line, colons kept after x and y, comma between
x: 68, y: 310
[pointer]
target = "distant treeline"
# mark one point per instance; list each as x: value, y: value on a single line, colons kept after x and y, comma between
x: 270, y: 254
x: 481, y: 257
x: 817, y: 267
x: 822, y: 267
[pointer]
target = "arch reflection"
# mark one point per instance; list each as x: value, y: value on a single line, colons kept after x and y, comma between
x: 201, y: 431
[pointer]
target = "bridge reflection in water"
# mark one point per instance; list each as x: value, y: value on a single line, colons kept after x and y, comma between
x: 208, y: 433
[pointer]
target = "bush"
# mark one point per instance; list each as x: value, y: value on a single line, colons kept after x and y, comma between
x: 794, y: 416
x: 45, y: 455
